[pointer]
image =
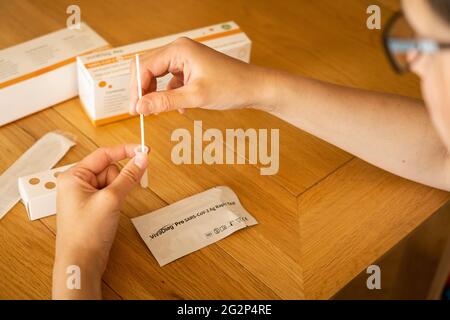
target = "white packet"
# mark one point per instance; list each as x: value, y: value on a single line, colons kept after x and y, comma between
x: 192, y: 223
x: 42, y: 155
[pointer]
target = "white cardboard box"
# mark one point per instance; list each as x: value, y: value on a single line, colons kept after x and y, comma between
x: 104, y: 77
x: 41, y: 72
x: 38, y: 192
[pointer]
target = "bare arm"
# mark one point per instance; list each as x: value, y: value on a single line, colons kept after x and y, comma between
x: 391, y: 132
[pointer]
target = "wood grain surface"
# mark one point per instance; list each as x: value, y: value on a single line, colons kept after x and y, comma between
x: 322, y: 219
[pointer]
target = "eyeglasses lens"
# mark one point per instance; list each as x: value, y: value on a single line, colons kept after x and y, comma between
x: 399, y: 46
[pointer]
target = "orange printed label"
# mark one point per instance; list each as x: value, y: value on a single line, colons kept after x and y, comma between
x: 129, y: 56
x: 46, y: 69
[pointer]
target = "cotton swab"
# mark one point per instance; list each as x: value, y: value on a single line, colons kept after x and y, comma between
x: 143, y: 148
x: 138, y: 75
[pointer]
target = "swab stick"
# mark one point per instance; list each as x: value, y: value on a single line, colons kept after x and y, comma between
x: 138, y: 75
x: 143, y: 148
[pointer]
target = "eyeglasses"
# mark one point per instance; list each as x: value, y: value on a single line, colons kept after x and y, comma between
x: 402, y: 45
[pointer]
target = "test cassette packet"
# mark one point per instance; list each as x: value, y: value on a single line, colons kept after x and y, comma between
x: 192, y: 223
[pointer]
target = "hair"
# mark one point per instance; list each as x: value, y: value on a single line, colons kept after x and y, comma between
x: 442, y: 8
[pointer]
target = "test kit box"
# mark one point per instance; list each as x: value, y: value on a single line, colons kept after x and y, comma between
x: 38, y: 192
x: 42, y: 72
x: 104, y: 77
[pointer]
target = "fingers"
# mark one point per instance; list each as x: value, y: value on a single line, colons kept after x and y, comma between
x: 153, y: 64
x: 156, y: 63
x: 107, y: 176
x: 148, y: 82
x: 76, y: 175
x: 100, y: 159
x: 164, y: 101
x: 175, y: 83
x: 134, y: 95
x: 128, y: 177
x: 151, y: 88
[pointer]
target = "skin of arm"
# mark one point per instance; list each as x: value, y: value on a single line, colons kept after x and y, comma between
x: 90, y: 275
x: 392, y: 132
x: 389, y: 131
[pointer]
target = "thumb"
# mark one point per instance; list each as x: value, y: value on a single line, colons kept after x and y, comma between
x: 129, y: 176
x: 164, y: 101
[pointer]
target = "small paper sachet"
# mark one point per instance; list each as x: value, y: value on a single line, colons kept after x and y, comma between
x: 192, y: 223
x: 42, y: 155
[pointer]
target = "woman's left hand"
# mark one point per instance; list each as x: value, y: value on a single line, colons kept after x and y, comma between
x: 89, y: 197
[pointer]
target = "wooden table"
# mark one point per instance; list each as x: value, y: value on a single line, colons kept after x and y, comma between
x: 323, y: 218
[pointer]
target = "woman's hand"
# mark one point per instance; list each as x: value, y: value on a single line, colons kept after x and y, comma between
x: 89, y: 197
x: 202, y: 77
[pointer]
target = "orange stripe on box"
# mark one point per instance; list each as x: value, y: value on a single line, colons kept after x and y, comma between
x: 131, y: 55
x: 101, y: 122
x: 104, y: 121
x: 46, y: 69
x: 100, y: 63
x: 218, y: 35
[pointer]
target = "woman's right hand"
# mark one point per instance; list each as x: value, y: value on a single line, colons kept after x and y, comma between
x: 202, y: 77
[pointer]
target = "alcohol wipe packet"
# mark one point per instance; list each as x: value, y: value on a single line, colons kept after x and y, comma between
x: 192, y: 223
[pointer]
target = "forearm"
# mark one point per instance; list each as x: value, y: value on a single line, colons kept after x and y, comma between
x: 75, y: 276
x: 392, y: 132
